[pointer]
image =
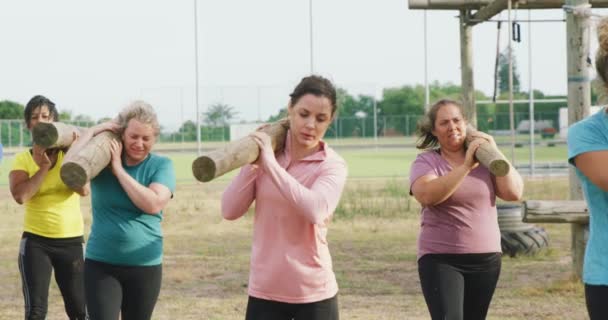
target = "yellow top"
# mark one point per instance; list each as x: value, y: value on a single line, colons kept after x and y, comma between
x: 54, y: 211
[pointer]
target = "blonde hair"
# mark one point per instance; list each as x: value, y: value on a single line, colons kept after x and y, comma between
x: 140, y: 111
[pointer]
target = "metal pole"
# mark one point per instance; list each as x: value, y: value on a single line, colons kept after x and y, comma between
x: 181, y: 104
x: 258, y: 92
x: 375, y: 120
x: 531, y: 94
x: 426, y: 68
x: 312, y: 65
x: 198, y: 114
x: 511, y: 112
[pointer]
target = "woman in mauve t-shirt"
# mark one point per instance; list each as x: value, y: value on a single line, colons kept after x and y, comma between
x: 459, y: 253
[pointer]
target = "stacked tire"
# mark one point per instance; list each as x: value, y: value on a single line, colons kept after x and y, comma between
x: 517, y: 237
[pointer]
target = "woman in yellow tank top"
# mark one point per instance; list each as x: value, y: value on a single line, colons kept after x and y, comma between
x: 53, y: 226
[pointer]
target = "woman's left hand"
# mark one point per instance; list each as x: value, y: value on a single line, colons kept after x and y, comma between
x: 482, y: 135
x: 263, y: 141
x: 116, y: 154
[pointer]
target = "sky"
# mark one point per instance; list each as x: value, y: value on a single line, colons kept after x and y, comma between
x: 94, y: 57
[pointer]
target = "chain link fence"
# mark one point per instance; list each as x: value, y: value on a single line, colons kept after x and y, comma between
x: 13, y: 133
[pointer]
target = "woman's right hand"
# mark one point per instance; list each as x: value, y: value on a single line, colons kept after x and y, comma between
x: 40, y: 157
x: 470, y: 162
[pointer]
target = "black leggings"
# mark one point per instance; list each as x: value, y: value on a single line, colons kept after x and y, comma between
x: 260, y: 309
x: 459, y: 286
x: 111, y: 290
x: 597, y: 301
x: 38, y: 256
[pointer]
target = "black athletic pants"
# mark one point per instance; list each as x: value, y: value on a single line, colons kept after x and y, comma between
x: 459, y: 286
x: 38, y: 257
x: 260, y: 309
x: 111, y: 290
x: 597, y: 301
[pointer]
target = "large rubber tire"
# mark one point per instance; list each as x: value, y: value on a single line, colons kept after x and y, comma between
x: 516, y: 237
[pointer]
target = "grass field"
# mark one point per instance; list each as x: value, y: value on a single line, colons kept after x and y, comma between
x: 372, y: 239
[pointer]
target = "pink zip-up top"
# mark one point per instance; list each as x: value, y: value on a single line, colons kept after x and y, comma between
x: 294, y: 201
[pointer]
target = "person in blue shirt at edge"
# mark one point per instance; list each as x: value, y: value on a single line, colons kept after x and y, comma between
x: 588, y: 153
x: 53, y: 228
x: 123, y: 258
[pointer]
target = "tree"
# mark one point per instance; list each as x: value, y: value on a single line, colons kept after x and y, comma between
x: 503, y: 73
x: 282, y: 114
x: 188, y: 129
x: 219, y: 114
x: 65, y: 115
x: 10, y: 110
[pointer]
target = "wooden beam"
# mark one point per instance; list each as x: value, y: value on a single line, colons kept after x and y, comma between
x: 560, y: 211
x: 487, y: 12
x: 579, y: 101
x: 235, y: 154
x: 466, y: 69
x: 54, y: 134
x: 89, y: 161
x: 478, y: 4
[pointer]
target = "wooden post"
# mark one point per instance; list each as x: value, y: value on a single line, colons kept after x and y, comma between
x: 235, y: 154
x: 89, y: 161
x: 579, y: 100
x: 466, y: 68
x: 489, y: 156
x: 54, y: 135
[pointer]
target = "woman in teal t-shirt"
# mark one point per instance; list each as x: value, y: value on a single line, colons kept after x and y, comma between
x: 123, y: 262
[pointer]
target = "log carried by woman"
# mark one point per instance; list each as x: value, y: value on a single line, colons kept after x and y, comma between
x: 236, y: 154
x: 55, y: 134
x: 89, y: 161
x: 489, y: 156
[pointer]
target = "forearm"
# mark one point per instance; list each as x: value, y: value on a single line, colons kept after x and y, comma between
x: 319, y: 201
x: 79, y: 144
x: 440, y: 189
x: 143, y: 197
x: 239, y: 195
x: 510, y: 187
x: 28, y: 188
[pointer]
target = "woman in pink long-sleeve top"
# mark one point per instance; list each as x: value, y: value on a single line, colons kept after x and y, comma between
x: 296, y: 192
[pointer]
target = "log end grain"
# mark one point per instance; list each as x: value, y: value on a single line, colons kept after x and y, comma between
x: 45, y: 134
x: 204, y: 169
x: 499, y: 167
x: 73, y: 175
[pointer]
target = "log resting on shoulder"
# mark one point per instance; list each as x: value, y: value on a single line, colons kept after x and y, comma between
x: 55, y: 134
x: 237, y: 153
x: 88, y: 162
x: 489, y: 156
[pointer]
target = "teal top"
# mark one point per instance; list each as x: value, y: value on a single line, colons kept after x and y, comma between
x: 123, y: 234
x: 591, y: 134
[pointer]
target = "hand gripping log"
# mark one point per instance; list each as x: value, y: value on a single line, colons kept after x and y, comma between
x: 236, y: 154
x: 54, y: 134
x: 489, y: 156
x: 88, y: 162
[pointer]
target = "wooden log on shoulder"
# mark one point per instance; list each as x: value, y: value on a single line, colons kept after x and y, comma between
x: 237, y: 153
x: 556, y: 211
x: 54, y: 134
x: 489, y: 156
x: 88, y: 162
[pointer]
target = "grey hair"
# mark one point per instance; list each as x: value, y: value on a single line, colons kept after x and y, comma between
x: 140, y: 111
